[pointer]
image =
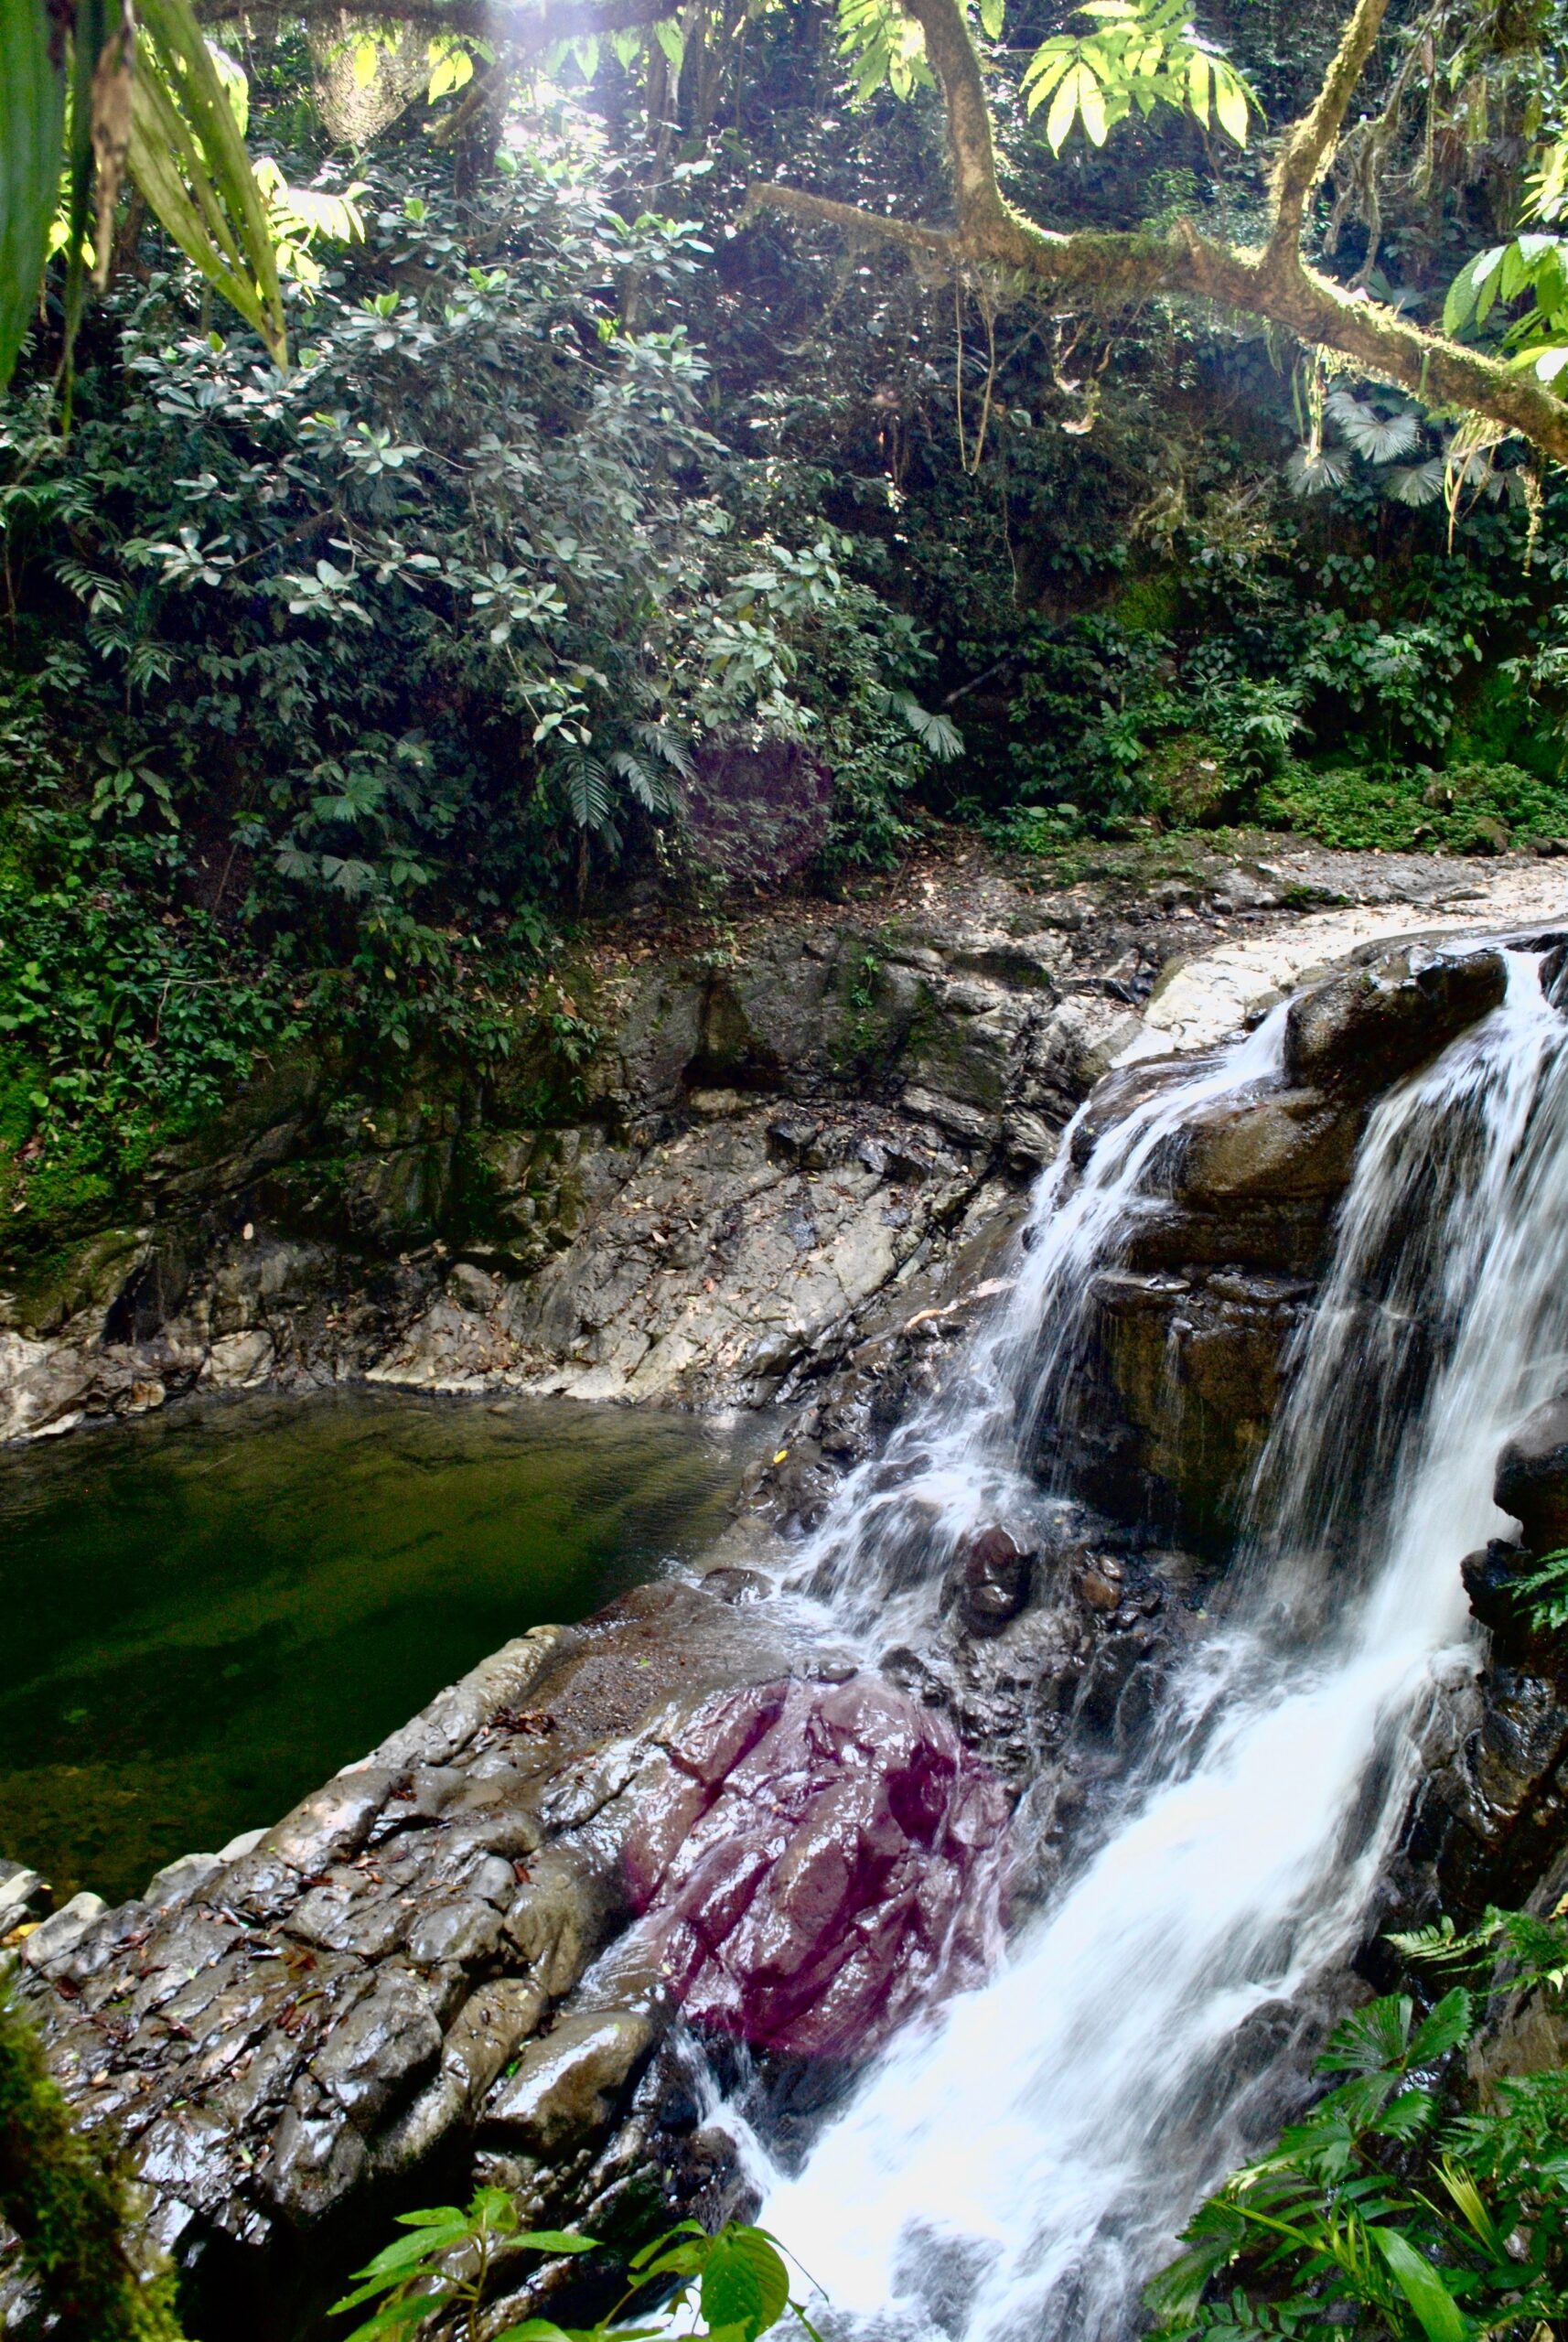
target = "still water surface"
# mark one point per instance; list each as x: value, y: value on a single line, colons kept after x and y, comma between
x: 206, y: 1612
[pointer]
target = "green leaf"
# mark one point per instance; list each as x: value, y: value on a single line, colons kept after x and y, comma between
x: 1441, y: 2318
x: 32, y: 127
x: 991, y: 15
x: 556, y: 2241
x: 650, y: 2252
x: 1064, y: 109
x: 189, y: 158
x: 1091, y: 105
x: 1375, y: 2037
x: 1446, y: 2028
x: 745, y: 2283
x: 673, y: 41
x: 1230, y: 104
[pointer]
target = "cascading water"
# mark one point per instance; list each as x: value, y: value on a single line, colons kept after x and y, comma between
x: 881, y: 1551
x: 1019, y: 2166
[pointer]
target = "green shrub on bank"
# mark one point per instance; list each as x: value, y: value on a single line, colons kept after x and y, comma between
x: 1400, y: 2207
x: 1470, y: 809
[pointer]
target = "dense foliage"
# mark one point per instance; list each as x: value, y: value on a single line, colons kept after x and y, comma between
x: 1405, y: 2205
x: 609, y: 544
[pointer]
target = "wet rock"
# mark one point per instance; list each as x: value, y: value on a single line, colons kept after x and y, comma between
x: 994, y: 1579
x: 565, y: 2086
x: 1294, y: 1143
x: 1287, y: 1234
x: 1361, y: 1031
x: 1178, y: 1386
x: 1533, y: 1478
x: 381, y: 2050
x: 1490, y: 1578
x: 465, y: 1930
x: 561, y: 1919
x: 331, y: 1823
x: 319, y: 2158
x: 822, y: 1859
x: 737, y: 1585
x: 24, y: 1895
x: 58, y: 1937
x: 1099, y: 1584
x: 178, y: 1881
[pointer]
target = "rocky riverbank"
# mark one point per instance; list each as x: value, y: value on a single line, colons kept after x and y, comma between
x: 483, y: 1952
x: 789, y: 1137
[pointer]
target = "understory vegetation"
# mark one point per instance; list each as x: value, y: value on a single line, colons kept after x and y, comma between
x: 610, y: 544
x: 1426, y: 2194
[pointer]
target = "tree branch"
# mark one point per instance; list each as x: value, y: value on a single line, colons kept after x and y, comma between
x: 1113, y: 265
x: 861, y: 226
x: 525, y: 24
x: 1308, y: 145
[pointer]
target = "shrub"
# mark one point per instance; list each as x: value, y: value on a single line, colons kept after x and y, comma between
x: 1470, y: 809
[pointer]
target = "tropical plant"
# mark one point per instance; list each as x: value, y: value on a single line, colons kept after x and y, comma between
x: 1387, y: 2212
x: 113, y: 91
x: 732, y: 2286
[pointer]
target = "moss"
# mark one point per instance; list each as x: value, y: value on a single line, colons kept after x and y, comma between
x: 67, y: 2208
x: 1190, y: 783
x: 1151, y: 605
x: 52, y: 1286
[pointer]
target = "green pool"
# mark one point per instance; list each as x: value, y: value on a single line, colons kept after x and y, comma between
x: 207, y: 1612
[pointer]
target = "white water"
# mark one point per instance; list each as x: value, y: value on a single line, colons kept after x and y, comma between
x: 1018, y: 2168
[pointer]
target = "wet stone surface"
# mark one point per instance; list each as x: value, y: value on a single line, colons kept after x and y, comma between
x: 822, y: 1862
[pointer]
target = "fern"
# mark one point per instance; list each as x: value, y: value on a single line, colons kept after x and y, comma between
x: 650, y: 788
x: 587, y: 785
x: 1548, y: 1579
x: 662, y: 742
x: 101, y: 593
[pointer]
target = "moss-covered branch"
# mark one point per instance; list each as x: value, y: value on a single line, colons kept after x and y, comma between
x: 1272, y: 282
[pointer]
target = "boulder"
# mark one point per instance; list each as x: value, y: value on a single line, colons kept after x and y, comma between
x: 1361, y: 1031
x: 1295, y: 1143
x: 994, y: 1581
x: 565, y: 2088
x: 823, y: 1859
x: 1533, y: 1476
x: 1490, y: 1577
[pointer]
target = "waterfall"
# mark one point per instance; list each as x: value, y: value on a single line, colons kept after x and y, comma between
x: 1018, y: 2166
x: 963, y: 1461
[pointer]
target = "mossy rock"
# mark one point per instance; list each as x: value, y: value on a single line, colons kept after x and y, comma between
x: 56, y: 1286
x: 1188, y: 781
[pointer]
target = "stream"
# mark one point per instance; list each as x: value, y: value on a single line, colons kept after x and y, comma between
x: 1020, y: 2165
x: 209, y: 1611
